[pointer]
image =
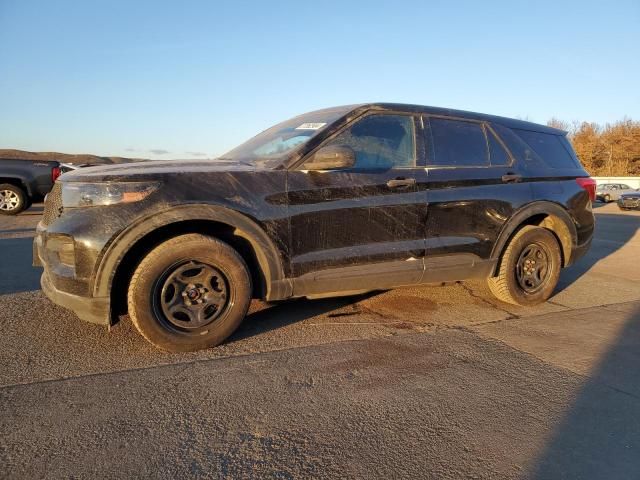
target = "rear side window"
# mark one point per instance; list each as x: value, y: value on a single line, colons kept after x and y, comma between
x: 550, y: 148
x: 455, y: 143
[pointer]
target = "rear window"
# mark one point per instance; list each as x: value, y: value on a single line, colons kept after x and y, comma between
x: 457, y: 143
x: 550, y: 148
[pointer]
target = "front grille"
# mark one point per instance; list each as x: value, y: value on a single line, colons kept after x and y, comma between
x: 629, y: 202
x: 52, y: 204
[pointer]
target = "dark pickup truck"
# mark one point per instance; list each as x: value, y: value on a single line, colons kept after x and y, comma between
x: 25, y: 181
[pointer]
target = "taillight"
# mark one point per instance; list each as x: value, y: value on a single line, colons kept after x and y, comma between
x: 55, y: 173
x: 589, y: 184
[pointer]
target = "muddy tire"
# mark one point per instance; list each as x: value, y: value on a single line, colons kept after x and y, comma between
x: 13, y: 199
x: 529, y: 268
x: 189, y: 293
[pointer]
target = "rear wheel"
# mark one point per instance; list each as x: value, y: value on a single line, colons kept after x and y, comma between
x: 529, y: 268
x: 189, y: 293
x: 13, y: 199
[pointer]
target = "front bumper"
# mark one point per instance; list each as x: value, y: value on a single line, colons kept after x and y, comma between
x: 629, y: 203
x: 58, y: 284
x: 89, y: 309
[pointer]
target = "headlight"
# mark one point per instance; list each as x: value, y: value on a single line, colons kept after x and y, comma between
x: 96, y: 194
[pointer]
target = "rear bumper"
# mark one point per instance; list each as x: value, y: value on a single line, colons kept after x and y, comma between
x: 601, y: 197
x: 578, y: 252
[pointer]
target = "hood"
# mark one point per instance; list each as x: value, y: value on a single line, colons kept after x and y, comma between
x: 635, y: 194
x: 152, y: 169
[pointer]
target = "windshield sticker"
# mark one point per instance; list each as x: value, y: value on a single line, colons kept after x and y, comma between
x: 311, y: 126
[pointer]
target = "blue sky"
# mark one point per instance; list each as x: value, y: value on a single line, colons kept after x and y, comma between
x: 189, y: 78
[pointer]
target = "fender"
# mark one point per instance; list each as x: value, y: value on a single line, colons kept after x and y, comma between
x: 26, y: 180
x: 266, y: 252
x: 568, y: 243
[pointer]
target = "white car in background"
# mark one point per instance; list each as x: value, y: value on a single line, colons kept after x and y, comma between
x: 610, y: 192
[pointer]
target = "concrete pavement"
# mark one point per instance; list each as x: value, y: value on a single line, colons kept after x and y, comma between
x: 434, y: 382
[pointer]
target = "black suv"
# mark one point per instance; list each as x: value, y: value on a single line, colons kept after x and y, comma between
x: 333, y: 202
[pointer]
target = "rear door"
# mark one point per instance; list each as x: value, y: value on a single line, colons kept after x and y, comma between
x: 361, y: 228
x: 473, y: 188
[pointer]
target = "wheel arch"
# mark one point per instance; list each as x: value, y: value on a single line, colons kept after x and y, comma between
x: 549, y: 215
x: 244, y: 234
x: 19, y: 182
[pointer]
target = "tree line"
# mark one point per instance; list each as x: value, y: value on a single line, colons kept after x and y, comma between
x: 606, y: 150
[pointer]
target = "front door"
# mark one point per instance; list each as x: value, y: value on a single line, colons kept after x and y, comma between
x: 363, y: 227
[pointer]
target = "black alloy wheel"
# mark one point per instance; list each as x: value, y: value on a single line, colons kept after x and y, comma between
x: 188, y: 293
x: 529, y: 268
x: 532, y: 268
x: 192, y: 295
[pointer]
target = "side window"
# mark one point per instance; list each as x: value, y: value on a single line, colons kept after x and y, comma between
x: 625, y: 187
x: 457, y: 143
x: 497, y: 153
x: 380, y: 141
x: 550, y: 148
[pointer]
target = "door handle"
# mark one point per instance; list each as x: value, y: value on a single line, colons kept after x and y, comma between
x: 511, y: 178
x: 401, y: 182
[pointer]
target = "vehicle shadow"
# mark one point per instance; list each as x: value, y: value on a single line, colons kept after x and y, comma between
x: 36, y: 209
x: 16, y: 273
x: 619, y: 233
x: 599, y: 436
x: 281, y: 314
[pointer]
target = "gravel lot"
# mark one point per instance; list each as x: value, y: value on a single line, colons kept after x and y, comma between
x: 432, y: 382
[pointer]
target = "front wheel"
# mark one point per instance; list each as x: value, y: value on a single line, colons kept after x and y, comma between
x: 529, y: 268
x: 189, y: 293
x: 607, y: 199
x: 13, y: 200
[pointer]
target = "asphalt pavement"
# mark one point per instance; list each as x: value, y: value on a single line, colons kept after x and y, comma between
x: 430, y: 382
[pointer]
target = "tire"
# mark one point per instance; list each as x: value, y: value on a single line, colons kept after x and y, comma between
x: 13, y: 199
x: 166, y: 290
x: 512, y: 284
x: 606, y: 199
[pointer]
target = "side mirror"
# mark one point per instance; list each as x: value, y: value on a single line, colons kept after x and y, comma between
x: 332, y: 157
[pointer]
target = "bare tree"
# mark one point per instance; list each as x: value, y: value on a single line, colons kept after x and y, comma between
x: 612, y: 149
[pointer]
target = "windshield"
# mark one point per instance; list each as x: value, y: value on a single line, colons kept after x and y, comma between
x: 271, y: 146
